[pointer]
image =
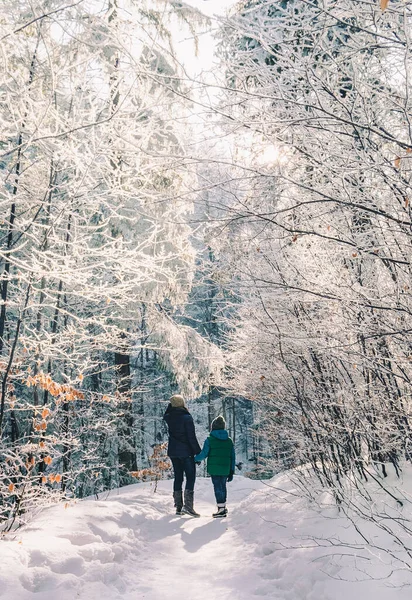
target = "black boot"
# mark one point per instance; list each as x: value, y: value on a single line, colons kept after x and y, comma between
x: 188, y: 505
x: 178, y: 498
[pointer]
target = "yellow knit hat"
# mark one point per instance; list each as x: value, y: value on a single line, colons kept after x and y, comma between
x: 177, y: 401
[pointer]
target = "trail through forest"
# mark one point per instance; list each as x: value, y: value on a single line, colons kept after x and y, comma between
x: 129, y: 545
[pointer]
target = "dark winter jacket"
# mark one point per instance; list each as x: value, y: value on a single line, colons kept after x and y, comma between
x: 220, y: 453
x: 182, y: 436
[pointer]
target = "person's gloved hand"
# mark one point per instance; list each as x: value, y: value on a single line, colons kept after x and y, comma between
x: 198, y: 463
x: 230, y: 476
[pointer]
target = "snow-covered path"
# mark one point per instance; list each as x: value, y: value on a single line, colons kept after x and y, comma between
x: 129, y: 545
x: 196, y: 558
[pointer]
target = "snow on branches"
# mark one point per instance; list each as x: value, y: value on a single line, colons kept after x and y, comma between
x: 323, y: 342
x: 93, y: 234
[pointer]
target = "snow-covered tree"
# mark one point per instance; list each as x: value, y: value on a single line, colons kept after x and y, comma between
x: 94, y: 249
x: 322, y: 91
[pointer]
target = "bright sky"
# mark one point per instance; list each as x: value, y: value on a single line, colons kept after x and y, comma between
x: 185, y: 48
x: 211, y: 7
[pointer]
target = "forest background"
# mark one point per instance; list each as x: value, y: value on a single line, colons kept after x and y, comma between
x: 241, y: 235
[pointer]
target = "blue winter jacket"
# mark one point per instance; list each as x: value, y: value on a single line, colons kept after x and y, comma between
x: 182, y: 436
x: 220, y: 434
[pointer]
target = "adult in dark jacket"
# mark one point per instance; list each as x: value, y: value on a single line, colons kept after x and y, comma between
x: 183, y: 446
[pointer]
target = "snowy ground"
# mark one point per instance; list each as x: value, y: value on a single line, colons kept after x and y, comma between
x: 129, y: 545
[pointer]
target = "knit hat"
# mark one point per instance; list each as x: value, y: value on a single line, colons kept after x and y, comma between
x: 219, y: 423
x: 177, y: 401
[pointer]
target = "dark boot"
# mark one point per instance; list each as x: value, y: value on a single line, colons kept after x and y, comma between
x: 188, y: 505
x: 178, y: 498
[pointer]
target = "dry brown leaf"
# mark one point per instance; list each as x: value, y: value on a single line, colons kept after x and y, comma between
x: 384, y: 4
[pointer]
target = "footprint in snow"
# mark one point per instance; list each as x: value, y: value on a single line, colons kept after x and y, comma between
x: 39, y: 579
x: 98, y: 551
x: 74, y: 565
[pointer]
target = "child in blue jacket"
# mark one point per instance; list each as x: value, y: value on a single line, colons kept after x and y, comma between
x: 220, y: 453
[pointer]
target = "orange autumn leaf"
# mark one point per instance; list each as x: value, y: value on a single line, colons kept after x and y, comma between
x: 81, y: 377
x: 45, y: 413
x: 164, y: 466
x: 384, y: 4
x: 66, y: 392
x: 44, y: 479
x: 11, y: 487
x: 397, y: 162
x: 43, y: 425
x: 42, y: 444
x: 54, y: 390
x: 52, y: 478
x: 47, y: 460
x: 406, y: 202
x: 58, y: 478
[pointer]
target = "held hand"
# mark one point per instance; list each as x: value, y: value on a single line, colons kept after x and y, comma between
x: 230, y: 478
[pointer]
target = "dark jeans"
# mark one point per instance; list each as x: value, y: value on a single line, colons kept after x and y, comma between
x: 184, y: 466
x: 219, y: 483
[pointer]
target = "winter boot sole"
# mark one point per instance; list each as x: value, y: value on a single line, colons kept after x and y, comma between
x: 185, y: 511
x: 220, y: 513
